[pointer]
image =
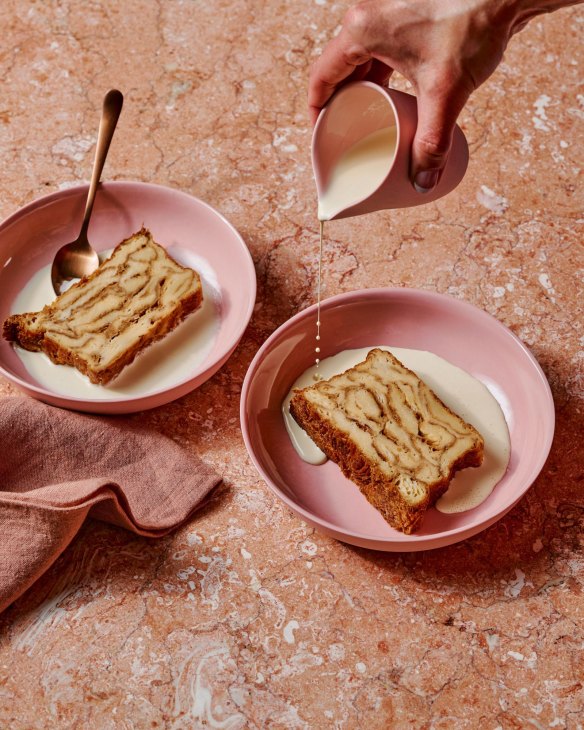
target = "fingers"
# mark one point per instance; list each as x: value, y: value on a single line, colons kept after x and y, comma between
x: 379, y: 72
x: 438, y: 110
x: 339, y: 60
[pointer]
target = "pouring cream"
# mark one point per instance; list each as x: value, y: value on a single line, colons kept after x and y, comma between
x: 358, y: 172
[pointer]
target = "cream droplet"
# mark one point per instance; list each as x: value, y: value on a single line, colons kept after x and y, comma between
x: 318, y: 337
x: 317, y: 349
x: 317, y: 360
x: 318, y: 322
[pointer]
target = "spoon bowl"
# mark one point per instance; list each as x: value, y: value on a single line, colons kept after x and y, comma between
x: 78, y: 259
x: 73, y: 261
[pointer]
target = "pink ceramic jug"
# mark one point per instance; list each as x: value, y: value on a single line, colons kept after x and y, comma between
x: 359, y: 109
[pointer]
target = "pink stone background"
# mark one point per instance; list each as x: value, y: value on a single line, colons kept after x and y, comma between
x: 247, y: 618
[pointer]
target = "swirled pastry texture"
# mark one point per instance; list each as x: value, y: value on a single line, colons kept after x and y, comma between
x: 390, y: 434
x: 136, y: 296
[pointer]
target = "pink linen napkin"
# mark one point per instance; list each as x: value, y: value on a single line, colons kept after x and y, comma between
x: 57, y: 467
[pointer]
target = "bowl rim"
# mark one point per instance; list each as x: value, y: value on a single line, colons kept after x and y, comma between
x: 460, y: 532
x: 198, y: 375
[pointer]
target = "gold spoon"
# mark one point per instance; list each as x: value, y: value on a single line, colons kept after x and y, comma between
x: 77, y: 259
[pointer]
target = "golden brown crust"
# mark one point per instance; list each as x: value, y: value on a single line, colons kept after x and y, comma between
x: 375, y: 485
x: 17, y: 329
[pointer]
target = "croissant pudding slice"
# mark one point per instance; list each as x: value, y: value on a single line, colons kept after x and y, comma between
x: 390, y: 434
x: 101, y: 323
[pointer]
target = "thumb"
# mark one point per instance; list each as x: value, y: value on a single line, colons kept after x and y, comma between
x: 437, y: 115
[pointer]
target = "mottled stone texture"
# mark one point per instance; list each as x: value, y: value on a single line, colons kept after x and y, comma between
x: 247, y: 618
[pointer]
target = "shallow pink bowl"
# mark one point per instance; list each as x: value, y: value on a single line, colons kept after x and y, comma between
x: 30, y: 238
x: 453, y: 329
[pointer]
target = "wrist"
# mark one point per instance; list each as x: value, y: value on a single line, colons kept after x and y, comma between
x: 516, y: 13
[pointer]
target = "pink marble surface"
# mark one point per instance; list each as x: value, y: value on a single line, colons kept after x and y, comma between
x: 246, y: 617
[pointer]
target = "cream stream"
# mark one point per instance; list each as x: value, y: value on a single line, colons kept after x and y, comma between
x: 357, y: 173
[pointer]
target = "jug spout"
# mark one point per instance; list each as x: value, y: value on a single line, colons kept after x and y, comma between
x: 361, y: 153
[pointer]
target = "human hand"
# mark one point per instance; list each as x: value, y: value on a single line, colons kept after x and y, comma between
x: 445, y: 48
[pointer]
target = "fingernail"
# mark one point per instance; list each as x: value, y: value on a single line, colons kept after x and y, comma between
x: 426, y: 180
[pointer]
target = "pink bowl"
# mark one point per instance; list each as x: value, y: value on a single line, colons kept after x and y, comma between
x: 30, y: 238
x: 452, y: 329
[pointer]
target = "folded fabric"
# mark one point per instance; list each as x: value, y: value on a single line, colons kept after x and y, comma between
x: 57, y: 467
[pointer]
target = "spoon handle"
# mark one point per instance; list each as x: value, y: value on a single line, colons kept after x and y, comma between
x: 112, y: 106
